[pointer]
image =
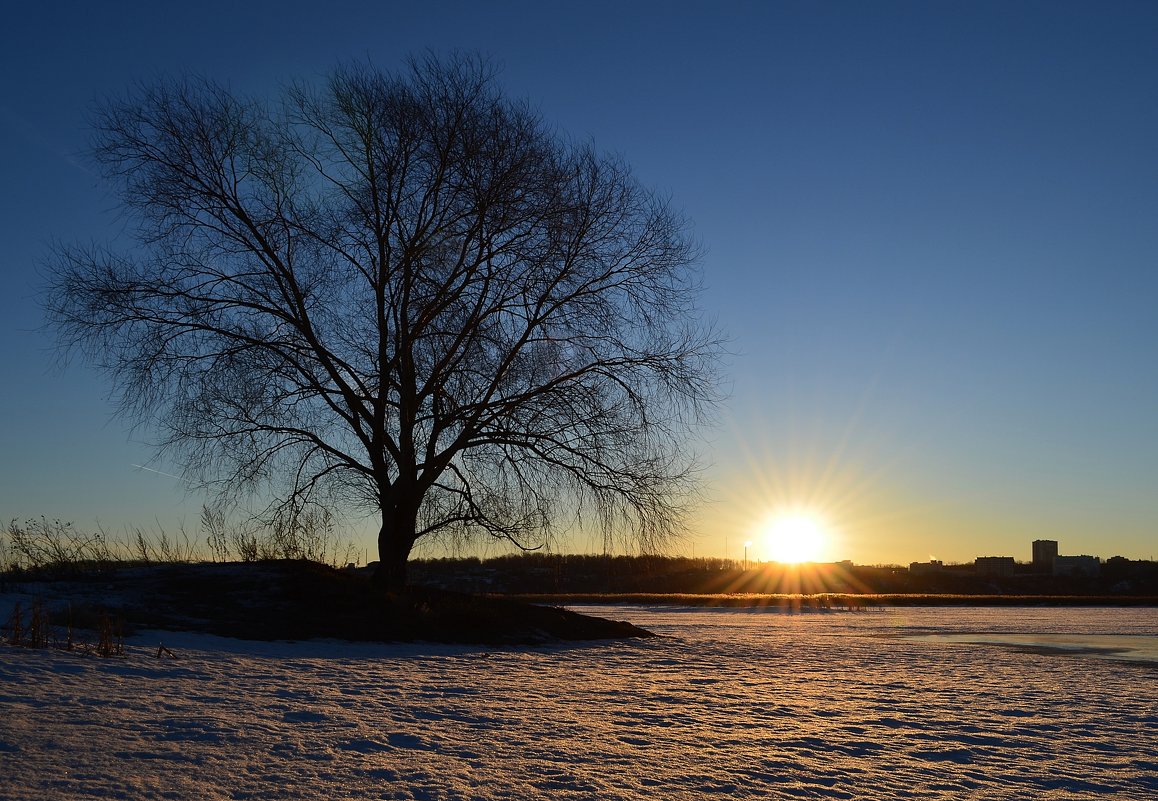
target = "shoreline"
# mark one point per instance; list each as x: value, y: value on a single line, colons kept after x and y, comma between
x: 821, y: 602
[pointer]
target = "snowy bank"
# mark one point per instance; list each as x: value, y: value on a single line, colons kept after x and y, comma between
x: 295, y: 600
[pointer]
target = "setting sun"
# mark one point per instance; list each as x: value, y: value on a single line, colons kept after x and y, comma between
x: 795, y: 537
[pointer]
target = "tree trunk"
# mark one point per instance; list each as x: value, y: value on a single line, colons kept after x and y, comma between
x: 395, y: 540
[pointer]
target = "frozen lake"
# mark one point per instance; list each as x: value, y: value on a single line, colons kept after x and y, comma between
x: 928, y: 703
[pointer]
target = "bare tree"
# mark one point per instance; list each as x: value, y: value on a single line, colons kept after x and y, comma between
x: 401, y: 293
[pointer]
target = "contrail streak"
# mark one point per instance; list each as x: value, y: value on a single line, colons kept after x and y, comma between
x: 158, y: 472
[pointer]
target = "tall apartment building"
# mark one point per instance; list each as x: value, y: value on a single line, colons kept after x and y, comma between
x: 1044, y: 552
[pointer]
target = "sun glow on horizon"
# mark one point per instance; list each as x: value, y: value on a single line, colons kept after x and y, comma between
x: 799, y: 497
x: 796, y: 536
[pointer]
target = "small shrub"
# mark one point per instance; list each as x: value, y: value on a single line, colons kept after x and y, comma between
x: 43, y: 543
x: 36, y: 633
x: 216, y: 533
x: 34, y: 629
x: 309, y: 533
x: 55, y: 547
x: 7, y: 565
x: 160, y: 547
x: 14, y: 628
x: 110, y: 637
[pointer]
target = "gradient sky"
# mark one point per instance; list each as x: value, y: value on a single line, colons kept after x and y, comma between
x: 931, y: 230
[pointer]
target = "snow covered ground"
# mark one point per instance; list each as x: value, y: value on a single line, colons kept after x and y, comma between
x: 903, y: 703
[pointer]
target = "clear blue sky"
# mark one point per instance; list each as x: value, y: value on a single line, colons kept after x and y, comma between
x: 931, y: 229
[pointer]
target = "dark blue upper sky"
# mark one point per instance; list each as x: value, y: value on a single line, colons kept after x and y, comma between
x: 931, y: 229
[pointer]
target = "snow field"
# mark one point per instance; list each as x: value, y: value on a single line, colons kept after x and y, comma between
x: 729, y: 704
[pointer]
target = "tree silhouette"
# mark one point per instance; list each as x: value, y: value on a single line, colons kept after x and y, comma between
x: 400, y: 293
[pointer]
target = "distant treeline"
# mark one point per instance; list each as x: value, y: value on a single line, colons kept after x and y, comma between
x: 552, y: 574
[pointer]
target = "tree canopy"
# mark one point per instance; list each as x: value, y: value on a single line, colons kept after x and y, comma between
x: 400, y: 293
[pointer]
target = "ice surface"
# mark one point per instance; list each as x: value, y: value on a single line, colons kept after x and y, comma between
x: 730, y: 704
x: 1131, y: 648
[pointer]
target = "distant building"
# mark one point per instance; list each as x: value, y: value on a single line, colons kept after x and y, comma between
x: 1078, y: 566
x: 994, y: 565
x: 1044, y: 552
x: 932, y: 566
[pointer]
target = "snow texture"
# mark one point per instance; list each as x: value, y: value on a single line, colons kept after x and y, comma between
x: 729, y: 704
